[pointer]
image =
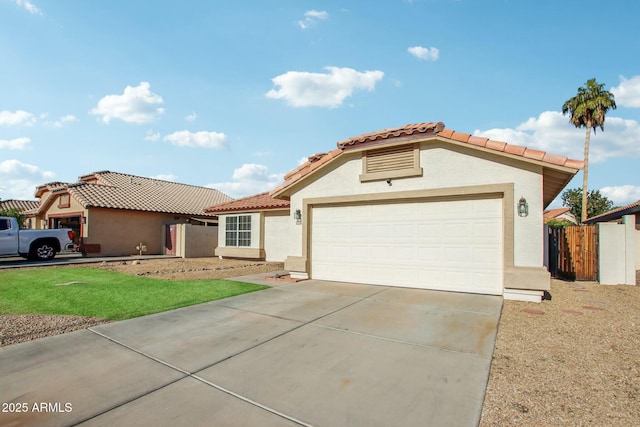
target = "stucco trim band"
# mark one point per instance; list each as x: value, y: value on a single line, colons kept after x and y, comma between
x: 249, y: 253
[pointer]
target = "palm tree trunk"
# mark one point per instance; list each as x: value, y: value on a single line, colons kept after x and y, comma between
x: 585, y: 173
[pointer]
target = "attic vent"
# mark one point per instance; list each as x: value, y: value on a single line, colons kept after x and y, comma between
x: 400, y: 161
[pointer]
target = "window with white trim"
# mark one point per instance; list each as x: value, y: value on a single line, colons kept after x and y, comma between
x: 238, y: 231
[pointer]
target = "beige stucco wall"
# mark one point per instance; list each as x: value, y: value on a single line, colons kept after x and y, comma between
x: 277, y: 229
x: 118, y: 232
x: 443, y: 168
x: 196, y: 241
x: 637, y: 238
x: 612, y: 253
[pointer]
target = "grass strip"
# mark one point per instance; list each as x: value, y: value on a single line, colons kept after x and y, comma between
x: 105, y: 294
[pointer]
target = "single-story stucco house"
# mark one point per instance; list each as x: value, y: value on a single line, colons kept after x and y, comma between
x: 418, y: 206
x: 18, y: 205
x: 114, y: 213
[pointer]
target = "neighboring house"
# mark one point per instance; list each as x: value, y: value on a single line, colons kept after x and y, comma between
x: 615, y: 215
x: 243, y: 226
x: 112, y: 213
x: 20, y: 205
x: 560, y: 214
x: 418, y: 206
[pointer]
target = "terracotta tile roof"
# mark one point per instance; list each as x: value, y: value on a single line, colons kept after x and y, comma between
x: 615, y: 213
x: 129, y: 192
x: 259, y: 202
x: 21, y: 205
x: 49, y: 186
x: 516, y: 150
x: 553, y: 213
x: 420, y: 131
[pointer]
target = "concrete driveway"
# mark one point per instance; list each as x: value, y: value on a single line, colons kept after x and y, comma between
x: 313, y: 353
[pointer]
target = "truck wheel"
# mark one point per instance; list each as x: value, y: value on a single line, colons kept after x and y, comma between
x: 43, y: 251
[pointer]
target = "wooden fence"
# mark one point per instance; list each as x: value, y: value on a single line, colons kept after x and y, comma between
x: 573, y: 252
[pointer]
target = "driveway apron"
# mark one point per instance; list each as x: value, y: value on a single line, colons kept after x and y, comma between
x: 311, y: 353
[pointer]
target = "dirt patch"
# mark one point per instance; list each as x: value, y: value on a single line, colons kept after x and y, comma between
x: 190, y: 268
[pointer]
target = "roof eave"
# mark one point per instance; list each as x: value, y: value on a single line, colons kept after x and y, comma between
x: 285, y: 190
x: 613, y: 215
x: 250, y: 210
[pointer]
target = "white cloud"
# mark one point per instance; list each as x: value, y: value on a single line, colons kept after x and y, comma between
x: 29, y: 7
x: 311, y: 17
x: 627, y: 93
x: 15, y: 144
x: 622, y: 195
x: 21, y: 179
x: 249, y: 179
x: 552, y: 132
x: 136, y: 105
x: 425, y: 53
x: 203, y: 139
x: 20, y: 117
x: 166, y: 177
x: 304, y: 89
x: 152, y: 136
x: 65, y: 120
x: 191, y: 117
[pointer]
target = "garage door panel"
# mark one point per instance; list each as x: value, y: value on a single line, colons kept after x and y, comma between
x: 431, y: 254
x: 452, y: 245
x: 482, y: 256
x: 404, y: 254
x: 404, y: 231
x: 456, y: 230
x: 429, y: 230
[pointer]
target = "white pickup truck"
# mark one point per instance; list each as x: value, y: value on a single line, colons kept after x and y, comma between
x: 33, y: 244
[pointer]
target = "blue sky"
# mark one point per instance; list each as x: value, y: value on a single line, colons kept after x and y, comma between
x: 233, y: 95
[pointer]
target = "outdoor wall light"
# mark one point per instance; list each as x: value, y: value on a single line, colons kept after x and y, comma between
x: 523, y: 207
x: 298, y: 216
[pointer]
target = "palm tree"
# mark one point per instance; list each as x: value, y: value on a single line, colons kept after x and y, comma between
x: 588, y: 109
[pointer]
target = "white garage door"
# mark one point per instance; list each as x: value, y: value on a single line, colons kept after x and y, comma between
x: 445, y: 245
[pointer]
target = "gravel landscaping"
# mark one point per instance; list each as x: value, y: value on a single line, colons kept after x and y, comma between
x: 571, y: 360
x: 574, y: 360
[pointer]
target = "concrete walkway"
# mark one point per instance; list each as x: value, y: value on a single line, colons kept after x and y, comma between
x: 312, y: 353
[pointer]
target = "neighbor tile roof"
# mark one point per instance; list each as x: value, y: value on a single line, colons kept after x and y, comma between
x: 122, y: 191
x: 553, y: 213
x: 21, y: 205
x: 259, y: 202
x: 419, y: 131
x: 615, y: 213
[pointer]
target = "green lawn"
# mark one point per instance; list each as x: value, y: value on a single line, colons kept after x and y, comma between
x: 105, y: 294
